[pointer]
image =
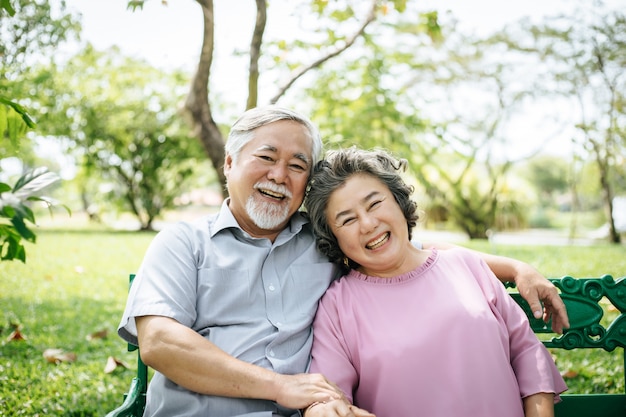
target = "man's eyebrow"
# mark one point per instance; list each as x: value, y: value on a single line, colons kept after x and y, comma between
x: 299, y: 155
x: 267, y: 148
x: 303, y: 158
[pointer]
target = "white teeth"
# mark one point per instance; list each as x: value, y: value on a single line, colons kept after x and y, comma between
x: 277, y: 191
x: 377, y: 243
x: 272, y: 194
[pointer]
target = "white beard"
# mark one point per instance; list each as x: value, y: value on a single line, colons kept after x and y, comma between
x: 268, y: 215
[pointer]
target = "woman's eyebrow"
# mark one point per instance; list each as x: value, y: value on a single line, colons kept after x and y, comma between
x: 363, y: 200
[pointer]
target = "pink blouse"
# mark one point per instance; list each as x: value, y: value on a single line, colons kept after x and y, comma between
x: 443, y: 340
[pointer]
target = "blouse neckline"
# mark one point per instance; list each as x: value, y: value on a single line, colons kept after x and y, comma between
x: 407, y: 276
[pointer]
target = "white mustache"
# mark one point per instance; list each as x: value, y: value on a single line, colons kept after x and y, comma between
x: 273, y: 187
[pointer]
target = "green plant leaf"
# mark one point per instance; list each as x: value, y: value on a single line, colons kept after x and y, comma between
x: 34, y: 181
x: 22, y: 229
x: 6, y: 5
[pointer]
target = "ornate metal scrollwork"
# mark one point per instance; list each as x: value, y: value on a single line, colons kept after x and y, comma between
x: 583, y: 298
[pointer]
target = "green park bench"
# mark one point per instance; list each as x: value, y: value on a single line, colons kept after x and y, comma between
x: 591, y: 327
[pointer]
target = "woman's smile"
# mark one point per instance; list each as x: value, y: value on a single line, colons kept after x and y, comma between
x: 380, y: 241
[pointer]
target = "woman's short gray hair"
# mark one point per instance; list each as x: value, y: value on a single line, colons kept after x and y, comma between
x: 242, y: 131
x: 333, y: 172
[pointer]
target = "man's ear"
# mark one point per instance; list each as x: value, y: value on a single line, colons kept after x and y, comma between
x: 228, y: 164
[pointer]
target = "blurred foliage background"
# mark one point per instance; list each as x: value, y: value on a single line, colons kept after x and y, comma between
x: 130, y: 138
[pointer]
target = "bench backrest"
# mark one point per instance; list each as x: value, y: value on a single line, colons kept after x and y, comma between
x: 587, y: 301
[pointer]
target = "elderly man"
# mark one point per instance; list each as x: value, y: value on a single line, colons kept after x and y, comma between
x: 222, y: 307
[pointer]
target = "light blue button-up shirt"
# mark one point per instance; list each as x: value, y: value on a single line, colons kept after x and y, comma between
x: 252, y: 298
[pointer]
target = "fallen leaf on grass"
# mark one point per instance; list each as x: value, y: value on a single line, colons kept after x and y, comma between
x: 113, y: 364
x: 16, y: 335
x: 569, y: 374
x: 101, y: 334
x: 58, y: 355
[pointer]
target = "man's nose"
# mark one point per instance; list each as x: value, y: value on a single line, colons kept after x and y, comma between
x: 277, y: 173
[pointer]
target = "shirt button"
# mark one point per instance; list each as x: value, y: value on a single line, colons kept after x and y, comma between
x: 272, y: 288
x: 272, y: 353
x: 278, y: 324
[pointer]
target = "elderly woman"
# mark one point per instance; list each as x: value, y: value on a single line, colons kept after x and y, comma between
x: 406, y: 331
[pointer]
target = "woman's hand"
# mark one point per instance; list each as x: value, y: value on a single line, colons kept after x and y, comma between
x: 542, y: 296
x: 335, y: 408
x: 539, y: 405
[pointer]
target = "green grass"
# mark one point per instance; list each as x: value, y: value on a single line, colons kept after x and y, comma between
x: 556, y: 261
x: 75, y: 283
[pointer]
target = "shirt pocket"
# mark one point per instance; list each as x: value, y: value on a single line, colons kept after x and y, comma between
x: 226, y: 296
x: 305, y: 286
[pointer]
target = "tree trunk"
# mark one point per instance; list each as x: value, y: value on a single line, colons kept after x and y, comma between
x: 197, y: 102
x: 607, y: 193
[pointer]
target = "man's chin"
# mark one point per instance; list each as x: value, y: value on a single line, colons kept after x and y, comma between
x: 267, y: 223
x: 268, y: 216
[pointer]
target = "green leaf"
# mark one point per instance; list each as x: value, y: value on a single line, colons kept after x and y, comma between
x: 10, y: 247
x: 22, y: 229
x: 135, y: 4
x: 20, y: 110
x: 4, y: 118
x: 14, y: 250
x: 50, y: 202
x: 6, y: 5
x: 34, y: 181
x: 24, y: 212
x: 399, y: 5
x: 7, y: 211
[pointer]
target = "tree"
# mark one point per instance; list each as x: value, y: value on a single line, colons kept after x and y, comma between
x: 33, y: 25
x: 585, y: 56
x: 462, y: 153
x: 549, y: 174
x: 408, y: 92
x: 122, y: 124
x: 353, y: 14
x: 29, y: 31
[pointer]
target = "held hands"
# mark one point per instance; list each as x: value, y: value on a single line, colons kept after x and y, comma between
x: 335, y: 408
x: 300, y: 390
x: 536, y: 289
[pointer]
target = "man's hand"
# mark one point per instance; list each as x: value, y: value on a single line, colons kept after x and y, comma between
x: 300, y: 390
x: 537, y: 290
x: 336, y: 408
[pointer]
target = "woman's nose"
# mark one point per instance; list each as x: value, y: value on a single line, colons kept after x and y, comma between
x: 368, y: 222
